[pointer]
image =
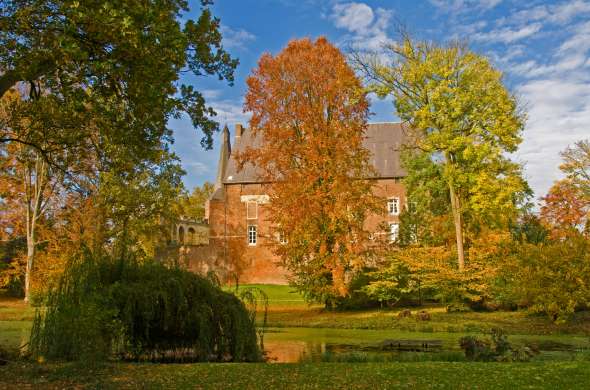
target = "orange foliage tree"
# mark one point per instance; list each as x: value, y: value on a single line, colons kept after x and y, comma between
x: 566, y: 207
x: 310, y: 113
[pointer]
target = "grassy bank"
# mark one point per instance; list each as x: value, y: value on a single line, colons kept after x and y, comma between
x: 571, y: 375
x: 288, y: 309
x: 295, y: 323
x: 15, y: 322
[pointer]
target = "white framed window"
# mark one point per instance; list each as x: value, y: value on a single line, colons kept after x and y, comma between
x: 251, y: 210
x: 393, y: 232
x: 393, y: 206
x: 252, y: 235
x: 282, y: 238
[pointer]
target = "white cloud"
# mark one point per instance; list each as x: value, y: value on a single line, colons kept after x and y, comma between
x: 579, y: 42
x: 461, y: 6
x: 236, y: 39
x: 229, y: 112
x: 355, y: 17
x: 507, y: 35
x: 367, y: 27
x: 559, y: 115
x: 560, y: 13
x: 210, y: 94
x: 196, y: 167
x: 570, y: 56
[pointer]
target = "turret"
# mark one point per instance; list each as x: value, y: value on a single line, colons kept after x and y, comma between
x: 224, y: 154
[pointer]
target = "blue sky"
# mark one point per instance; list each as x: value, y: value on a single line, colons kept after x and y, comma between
x: 543, y: 48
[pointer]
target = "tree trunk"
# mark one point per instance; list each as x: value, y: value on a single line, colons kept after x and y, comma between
x: 456, y: 209
x: 34, y: 187
x: 30, y: 258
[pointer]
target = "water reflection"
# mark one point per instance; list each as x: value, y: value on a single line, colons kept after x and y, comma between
x: 293, y: 345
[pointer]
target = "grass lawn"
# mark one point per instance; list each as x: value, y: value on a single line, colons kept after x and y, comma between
x: 15, y: 322
x: 293, y: 320
x: 288, y: 309
x: 564, y: 375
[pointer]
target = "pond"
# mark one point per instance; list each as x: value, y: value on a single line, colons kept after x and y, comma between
x: 291, y: 345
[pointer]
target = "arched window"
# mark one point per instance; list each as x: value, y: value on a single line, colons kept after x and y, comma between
x: 181, y: 235
x: 191, y: 236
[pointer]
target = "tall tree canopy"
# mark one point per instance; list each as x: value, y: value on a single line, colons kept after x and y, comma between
x: 96, y: 83
x: 193, y: 205
x: 310, y: 113
x: 465, y: 120
x: 566, y: 208
x: 113, y: 64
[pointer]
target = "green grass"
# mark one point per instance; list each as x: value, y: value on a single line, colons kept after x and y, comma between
x: 294, y: 323
x: 422, y: 375
x: 279, y: 296
x: 15, y: 322
x: 287, y: 308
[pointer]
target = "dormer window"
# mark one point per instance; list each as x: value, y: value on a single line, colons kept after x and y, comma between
x: 393, y: 206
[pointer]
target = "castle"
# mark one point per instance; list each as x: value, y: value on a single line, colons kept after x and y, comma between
x: 234, y: 239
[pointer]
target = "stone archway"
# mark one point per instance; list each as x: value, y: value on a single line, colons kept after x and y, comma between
x: 181, y: 235
x: 191, y: 239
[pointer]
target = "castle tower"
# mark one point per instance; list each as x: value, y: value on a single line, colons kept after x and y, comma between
x: 224, y: 154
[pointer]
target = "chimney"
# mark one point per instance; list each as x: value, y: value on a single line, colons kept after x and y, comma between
x: 239, y: 130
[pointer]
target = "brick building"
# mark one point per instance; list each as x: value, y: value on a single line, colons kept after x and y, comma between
x: 237, y: 212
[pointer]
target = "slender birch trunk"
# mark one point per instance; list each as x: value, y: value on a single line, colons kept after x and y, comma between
x: 456, y: 209
x: 457, y: 218
x: 35, y: 181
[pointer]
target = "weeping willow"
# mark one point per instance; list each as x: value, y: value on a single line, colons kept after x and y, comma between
x: 105, y: 308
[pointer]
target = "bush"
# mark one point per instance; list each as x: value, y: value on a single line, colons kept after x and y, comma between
x: 357, y: 298
x: 104, y: 308
x: 551, y: 278
x: 458, y: 308
x: 498, y: 349
x: 423, y: 315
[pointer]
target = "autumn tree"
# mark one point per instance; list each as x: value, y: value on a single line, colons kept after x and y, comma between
x: 193, y: 205
x: 310, y: 114
x: 29, y: 185
x: 576, y: 166
x: 463, y: 118
x: 100, y: 81
x: 566, y: 207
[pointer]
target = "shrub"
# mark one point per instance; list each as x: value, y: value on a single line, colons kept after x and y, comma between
x: 104, y: 307
x: 551, y: 278
x: 423, y: 315
x: 497, y: 349
x: 357, y: 297
x: 458, y: 308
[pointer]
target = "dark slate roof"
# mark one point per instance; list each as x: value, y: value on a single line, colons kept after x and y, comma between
x: 383, y: 140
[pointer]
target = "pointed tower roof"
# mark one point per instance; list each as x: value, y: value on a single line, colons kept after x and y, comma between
x: 224, y: 155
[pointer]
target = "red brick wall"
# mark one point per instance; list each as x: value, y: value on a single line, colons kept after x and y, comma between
x: 257, y: 264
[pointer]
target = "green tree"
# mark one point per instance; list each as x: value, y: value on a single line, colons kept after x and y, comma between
x: 139, y: 206
x: 113, y: 64
x: 463, y: 118
x: 98, y: 82
x: 193, y: 205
